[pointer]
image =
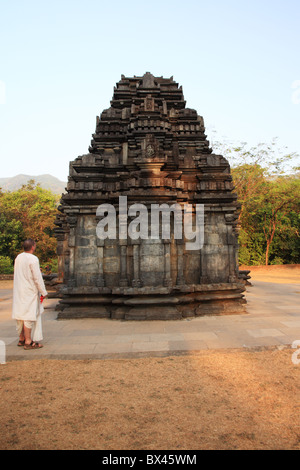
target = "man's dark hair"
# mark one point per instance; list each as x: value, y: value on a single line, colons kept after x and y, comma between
x: 28, y: 244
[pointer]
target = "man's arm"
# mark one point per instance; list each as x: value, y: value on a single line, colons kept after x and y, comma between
x: 38, y: 278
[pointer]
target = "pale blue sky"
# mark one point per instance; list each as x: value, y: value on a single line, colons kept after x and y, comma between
x: 59, y: 61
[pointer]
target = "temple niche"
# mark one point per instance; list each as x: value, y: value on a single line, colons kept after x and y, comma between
x: 152, y: 149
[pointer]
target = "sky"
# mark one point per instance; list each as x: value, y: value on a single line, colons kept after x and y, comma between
x: 237, y: 61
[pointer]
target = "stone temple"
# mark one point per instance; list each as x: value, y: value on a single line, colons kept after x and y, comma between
x: 152, y: 149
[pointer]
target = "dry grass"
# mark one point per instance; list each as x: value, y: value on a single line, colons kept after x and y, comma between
x: 213, y: 400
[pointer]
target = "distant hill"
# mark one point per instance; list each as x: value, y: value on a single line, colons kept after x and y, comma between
x: 46, y: 181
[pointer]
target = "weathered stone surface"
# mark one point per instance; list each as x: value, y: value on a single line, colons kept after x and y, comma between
x: 152, y: 149
x: 144, y: 300
x: 84, y: 312
x: 153, y: 313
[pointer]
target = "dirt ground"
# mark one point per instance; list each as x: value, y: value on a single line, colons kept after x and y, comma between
x: 213, y: 400
x: 222, y: 399
x: 282, y: 274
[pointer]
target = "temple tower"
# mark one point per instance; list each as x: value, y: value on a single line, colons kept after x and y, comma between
x: 148, y: 149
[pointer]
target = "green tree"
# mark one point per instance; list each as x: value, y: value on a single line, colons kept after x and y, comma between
x: 269, y: 197
x: 6, y: 265
x: 28, y: 213
x: 282, y: 196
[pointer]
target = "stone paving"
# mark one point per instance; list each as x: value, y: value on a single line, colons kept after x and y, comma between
x: 272, y: 320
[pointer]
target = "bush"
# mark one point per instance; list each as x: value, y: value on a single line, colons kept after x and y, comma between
x: 6, y: 265
x: 51, y: 267
x: 277, y: 260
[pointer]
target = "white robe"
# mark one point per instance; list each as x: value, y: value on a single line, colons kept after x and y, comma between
x: 28, y: 286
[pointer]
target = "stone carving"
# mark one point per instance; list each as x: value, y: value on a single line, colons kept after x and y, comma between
x: 152, y: 149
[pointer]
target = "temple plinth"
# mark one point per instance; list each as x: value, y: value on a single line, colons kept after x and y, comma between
x: 148, y: 149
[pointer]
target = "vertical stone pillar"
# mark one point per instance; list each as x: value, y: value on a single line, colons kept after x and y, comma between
x: 100, y: 249
x: 72, y: 221
x: 136, y: 282
x: 123, y: 262
x: 232, y: 245
x: 167, y: 263
x: 232, y: 273
x: 60, y: 255
x: 204, y: 279
x: 180, y: 266
x: 71, y: 280
x: 204, y: 275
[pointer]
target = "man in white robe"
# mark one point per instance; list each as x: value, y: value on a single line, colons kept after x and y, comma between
x: 28, y: 293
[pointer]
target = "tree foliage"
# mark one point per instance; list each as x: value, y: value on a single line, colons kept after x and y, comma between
x: 28, y: 213
x: 269, y: 194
